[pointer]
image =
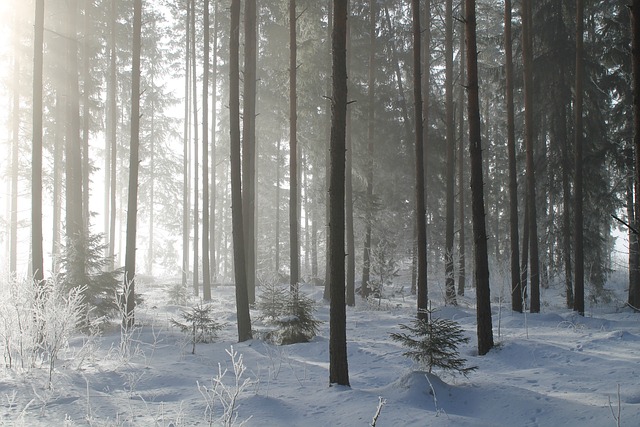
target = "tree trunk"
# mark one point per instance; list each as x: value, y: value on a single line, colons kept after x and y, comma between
x: 86, y: 117
x: 186, y: 176
x: 578, y: 303
x: 15, y: 145
x: 196, y: 190
x: 516, y: 288
x: 371, y: 102
x: 206, y: 272
x: 57, y: 185
x: 113, y: 129
x: 74, y: 222
x: 326, y: 295
x: 132, y: 203
x: 242, y: 296
x: 37, y: 261
x: 152, y: 166
x: 481, y: 263
x: 338, y: 365
x: 634, y: 287
x: 249, y: 146
x: 277, y: 230
x: 529, y: 142
x: 462, y: 273
x: 566, y: 196
x: 293, y: 149
x: 351, y: 245
x: 421, y: 224
x: 214, y: 121
x: 633, y: 241
x: 450, y: 286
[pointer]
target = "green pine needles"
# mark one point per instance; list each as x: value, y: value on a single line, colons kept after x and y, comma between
x: 433, y: 343
x: 290, y: 312
x: 198, y: 324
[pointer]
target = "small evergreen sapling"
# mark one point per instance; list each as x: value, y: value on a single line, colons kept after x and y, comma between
x: 290, y: 312
x: 199, y: 324
x: 433, y: 343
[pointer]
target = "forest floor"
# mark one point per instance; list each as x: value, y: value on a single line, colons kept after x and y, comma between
x: 548, y: 369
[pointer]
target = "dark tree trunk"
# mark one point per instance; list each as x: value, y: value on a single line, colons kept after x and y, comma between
x: 481, y: 264
x: 242, y: 296
x: 633, y: 240
x: 516, y: 288
x: 351, y: 245
x: 421, y: 220
x: 634, y: 287
x: 450, y: 286
x: 249, y: 145
x: 371, y: 117
x: 529, y: 142
x: 338, y: 366
x: 37, y: 261
x: 132, y: 204
x: 327, y: 272
x: 566, y: 201
x: 294, y: 246
x: 206, y: 272
x: 462, y: 274
x: 578, y: 303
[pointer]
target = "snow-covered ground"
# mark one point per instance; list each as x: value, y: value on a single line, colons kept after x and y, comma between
x: 548, y: 369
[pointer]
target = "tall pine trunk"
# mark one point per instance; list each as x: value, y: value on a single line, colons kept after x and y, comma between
x: 450, y: 287
x: 186, y: 178
x: 527, y: 54
x: 634, y: 287
x: 421, y: 220
x: 516, y: 288
x: 578, y: 302
x: 113, y: 128
x: 293, y: 149
x: 371, y: 117
x: 481, y: 263
x: 206, y: 273
x: 338, y: 365
x: 37, y: 261
x: 132, y: 202
x: 351, y: 245
x: 15, y: 143
x: 249, y: 145
x: 242, y: 296
x: 196, y: 189
x: 214, y: 121
x: 462, y: 271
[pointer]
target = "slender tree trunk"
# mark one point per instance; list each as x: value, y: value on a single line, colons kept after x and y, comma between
x: 132, y: 203
x: 293, y: 150
x: 186, y: 178
x: 242, y: 296
x: 516, y: 288
x: 196, y: 189
x: 350, y: 236
x: 86, y: 116
x: 421, y: 224
x: 529, y: 142
x: 462, y: 271
x: 481, y: 264
x: 249, y: 145
x: 327, y: 277
x: 633, y: 241
x: 206, y: 272
x: 338, y: 365
x: 74, y: 222
x: 578, y: 303
x: 566, y: 202
x: 57, y: 185
x: 214, y: 122
x: 113, y: 129
x: 634, y: 287
x: 450, y: 287
x: 15, y: 145
x: 37, y: 261
x: 152, y: 167
x: 371, y: 100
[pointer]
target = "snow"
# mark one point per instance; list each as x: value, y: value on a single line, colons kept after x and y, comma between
x: 550, y: 369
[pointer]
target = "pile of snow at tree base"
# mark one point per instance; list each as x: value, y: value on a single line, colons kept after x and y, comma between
x: 548, y: 369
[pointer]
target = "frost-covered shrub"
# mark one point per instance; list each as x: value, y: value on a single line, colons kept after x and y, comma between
x: 290, y: 312
x: 37, y: 321
x: 433, y: 343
